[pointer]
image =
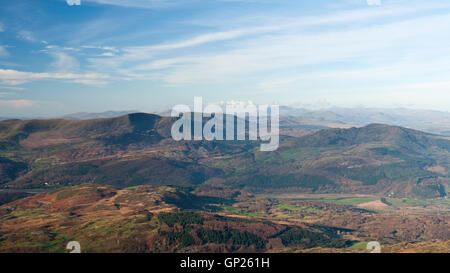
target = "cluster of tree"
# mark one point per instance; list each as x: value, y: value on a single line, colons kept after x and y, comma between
x: 232, y: 236
x: 183, y: 218
x: 183, y: 237
x: 308, y: 239
x: 429, y: 191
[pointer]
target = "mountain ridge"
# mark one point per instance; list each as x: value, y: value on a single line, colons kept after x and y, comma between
x: 137, y: 149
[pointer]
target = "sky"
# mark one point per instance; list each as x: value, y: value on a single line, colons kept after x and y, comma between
x: 64, y: 56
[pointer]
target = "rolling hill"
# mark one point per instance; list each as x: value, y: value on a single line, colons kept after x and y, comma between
x: 372, y: 159
x: 137, y: 149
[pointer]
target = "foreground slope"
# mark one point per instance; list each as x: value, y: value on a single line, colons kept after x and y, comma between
x: 168, y: 219
x: 142, y: 219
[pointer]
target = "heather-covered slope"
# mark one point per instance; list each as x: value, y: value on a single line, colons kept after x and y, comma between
x: 173, y: 219
x: 142, y: 219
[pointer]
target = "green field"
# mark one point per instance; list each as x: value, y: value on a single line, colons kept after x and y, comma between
x: 351, y: 201
x: 240, y: 211
x: 359, y: 246
x: 346, y: 201
x: 298, y: 208
x: 397, y: 202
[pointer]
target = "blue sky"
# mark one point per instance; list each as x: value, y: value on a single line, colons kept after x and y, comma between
x: 148, y: 55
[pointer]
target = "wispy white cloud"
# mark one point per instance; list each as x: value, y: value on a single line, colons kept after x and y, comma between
x: 282, y: 43
x: 26, y: 35
x: 105, y: 48
x: 330, y: 52
x: 204, y: 38
x: 15, y: 77
x: 294, y: 50
x: 107, y: 54
x: 140, y: 3
x: 30, y: 37
x: 281, y: 25
x: 11, y: 88
x: 73, y: 2
x: 64, y: 63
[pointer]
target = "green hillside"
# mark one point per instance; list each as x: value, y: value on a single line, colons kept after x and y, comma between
x: 371, y: 159
x: 137, y: 149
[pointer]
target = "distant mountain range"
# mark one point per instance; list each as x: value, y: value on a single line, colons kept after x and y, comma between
x: 107, y: 114
x: 437, y: 122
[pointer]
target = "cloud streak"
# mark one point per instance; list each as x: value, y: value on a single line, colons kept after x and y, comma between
x: 150, y: 4
x: 26, y: 35
x: 374, y: 44
x: 15, y: 77
x: 284, y: 44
